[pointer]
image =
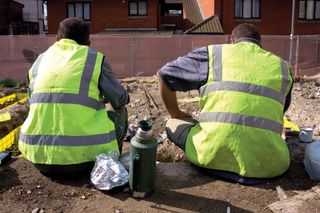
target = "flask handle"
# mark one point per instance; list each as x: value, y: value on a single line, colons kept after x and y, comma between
x: 136, y: 171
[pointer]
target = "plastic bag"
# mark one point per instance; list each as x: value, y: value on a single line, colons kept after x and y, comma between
x: 125, y: 160
x: 108, y: 172
x: 312, y: 160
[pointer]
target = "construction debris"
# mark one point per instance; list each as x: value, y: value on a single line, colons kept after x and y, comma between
x: 177, y: 188
x: 151, y: 100
x: 298, y: 203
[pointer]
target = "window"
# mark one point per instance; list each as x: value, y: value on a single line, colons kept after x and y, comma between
x: 44, y: 8
x: 45, y: 25
x: 79, y: 10
x: 172, y: 9
x: 45, y: 16
x: 175, y: 12
x: 309, y: 10
x: 247, y: 9
x: 137, y: 8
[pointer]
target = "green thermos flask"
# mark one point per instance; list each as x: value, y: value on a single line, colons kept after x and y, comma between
x: 143, y: 152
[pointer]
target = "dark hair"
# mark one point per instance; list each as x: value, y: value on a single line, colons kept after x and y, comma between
x: 246, y: 31
x: 75, y: 29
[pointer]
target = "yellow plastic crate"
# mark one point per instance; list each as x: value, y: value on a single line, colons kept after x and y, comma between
x: 5, y: 117
x: 8, y: 98
x: 7, y: 141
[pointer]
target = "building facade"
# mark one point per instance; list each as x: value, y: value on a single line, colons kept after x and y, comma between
x: 10, y: 17
x: 176, y: 16
x: 272, y: 17
x: 104, y: 15
x: 34, y: 11
x: 16, y: 20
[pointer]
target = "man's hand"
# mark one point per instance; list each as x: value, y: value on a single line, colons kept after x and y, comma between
x: 180, y: 114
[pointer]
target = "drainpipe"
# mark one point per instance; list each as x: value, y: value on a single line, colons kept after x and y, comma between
x: 292, y: 31
x: 221, y: 12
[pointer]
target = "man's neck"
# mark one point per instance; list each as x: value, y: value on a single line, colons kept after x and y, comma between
x: 247, y: 39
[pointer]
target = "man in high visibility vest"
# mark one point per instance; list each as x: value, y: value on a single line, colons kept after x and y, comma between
x: 68, y: 124
x: 244, y: 91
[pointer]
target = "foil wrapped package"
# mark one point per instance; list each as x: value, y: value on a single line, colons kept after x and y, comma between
x: 108, y: 172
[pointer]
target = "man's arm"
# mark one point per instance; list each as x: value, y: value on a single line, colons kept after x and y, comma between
x: 170, y: 100
x: 111, y: 88
x: 183, y: 74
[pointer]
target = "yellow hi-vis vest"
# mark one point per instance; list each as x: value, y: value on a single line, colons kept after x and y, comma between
x: 67, y: 122
x: 241, y: 116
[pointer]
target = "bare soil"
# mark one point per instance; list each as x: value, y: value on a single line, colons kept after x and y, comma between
x: 179, y: 186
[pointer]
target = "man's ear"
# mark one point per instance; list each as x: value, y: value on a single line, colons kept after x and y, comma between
x: 232, y: 39
x: 57, y: 38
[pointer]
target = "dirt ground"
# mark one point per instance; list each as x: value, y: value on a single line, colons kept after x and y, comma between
x: 179, y: 186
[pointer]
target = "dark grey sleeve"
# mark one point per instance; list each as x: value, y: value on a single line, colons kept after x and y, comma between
x: 188, y: 72
x: 111, y: 88
x: 288, y: 99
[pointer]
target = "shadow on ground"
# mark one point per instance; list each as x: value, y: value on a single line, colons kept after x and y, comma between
x: 8, y: 177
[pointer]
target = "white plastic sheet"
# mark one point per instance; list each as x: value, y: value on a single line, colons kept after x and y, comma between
x: 312, y: 160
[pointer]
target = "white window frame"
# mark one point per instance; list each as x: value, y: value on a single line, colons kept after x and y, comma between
x: 79, y: 13
x: 247, y: 9
x: 309, y: 10
x: 138, y: 11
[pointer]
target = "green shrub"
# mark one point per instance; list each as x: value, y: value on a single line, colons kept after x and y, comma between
x: 8, y: 83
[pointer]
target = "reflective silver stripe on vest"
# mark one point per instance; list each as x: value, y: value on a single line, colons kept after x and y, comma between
x: 56, y: 140
x: 66, y: 98
x: 227, y: 117
x: 217, y: 62
x: 241, y: 87
x: 88, y: 72
x: 285, y: 77
x: 34, y: 71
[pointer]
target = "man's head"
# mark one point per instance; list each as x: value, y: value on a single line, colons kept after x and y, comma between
x: 75, y: 29
x: 245, y: 31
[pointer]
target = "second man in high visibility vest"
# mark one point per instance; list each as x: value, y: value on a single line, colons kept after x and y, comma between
x: 244, y: 92
x: 68, y: 124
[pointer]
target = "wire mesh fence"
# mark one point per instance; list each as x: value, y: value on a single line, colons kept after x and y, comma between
x: 143, y: 55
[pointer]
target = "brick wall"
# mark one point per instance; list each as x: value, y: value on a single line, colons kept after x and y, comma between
x: 104, y: 15
x: 275, y: 18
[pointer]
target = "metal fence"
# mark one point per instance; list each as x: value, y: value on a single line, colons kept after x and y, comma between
x: 143, y: 55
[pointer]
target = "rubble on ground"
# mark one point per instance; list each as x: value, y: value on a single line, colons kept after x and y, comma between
x: 177, y: 190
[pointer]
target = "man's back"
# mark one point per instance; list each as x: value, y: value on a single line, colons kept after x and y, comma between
x: 244, y: 91
x: 241, y: 113
x: 66, y: 113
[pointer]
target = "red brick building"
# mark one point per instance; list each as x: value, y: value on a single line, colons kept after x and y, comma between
x: 125, y: 15
x: 272, y: 17
x: 11, y: 20
x: 102, y: 15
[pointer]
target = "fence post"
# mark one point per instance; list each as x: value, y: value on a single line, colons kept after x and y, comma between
x: 297, y: 58
x: 317, y: 50
x: 133, y: 53
x: 35, y: 46
x: 226, y: 39
x: 291, y: 49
